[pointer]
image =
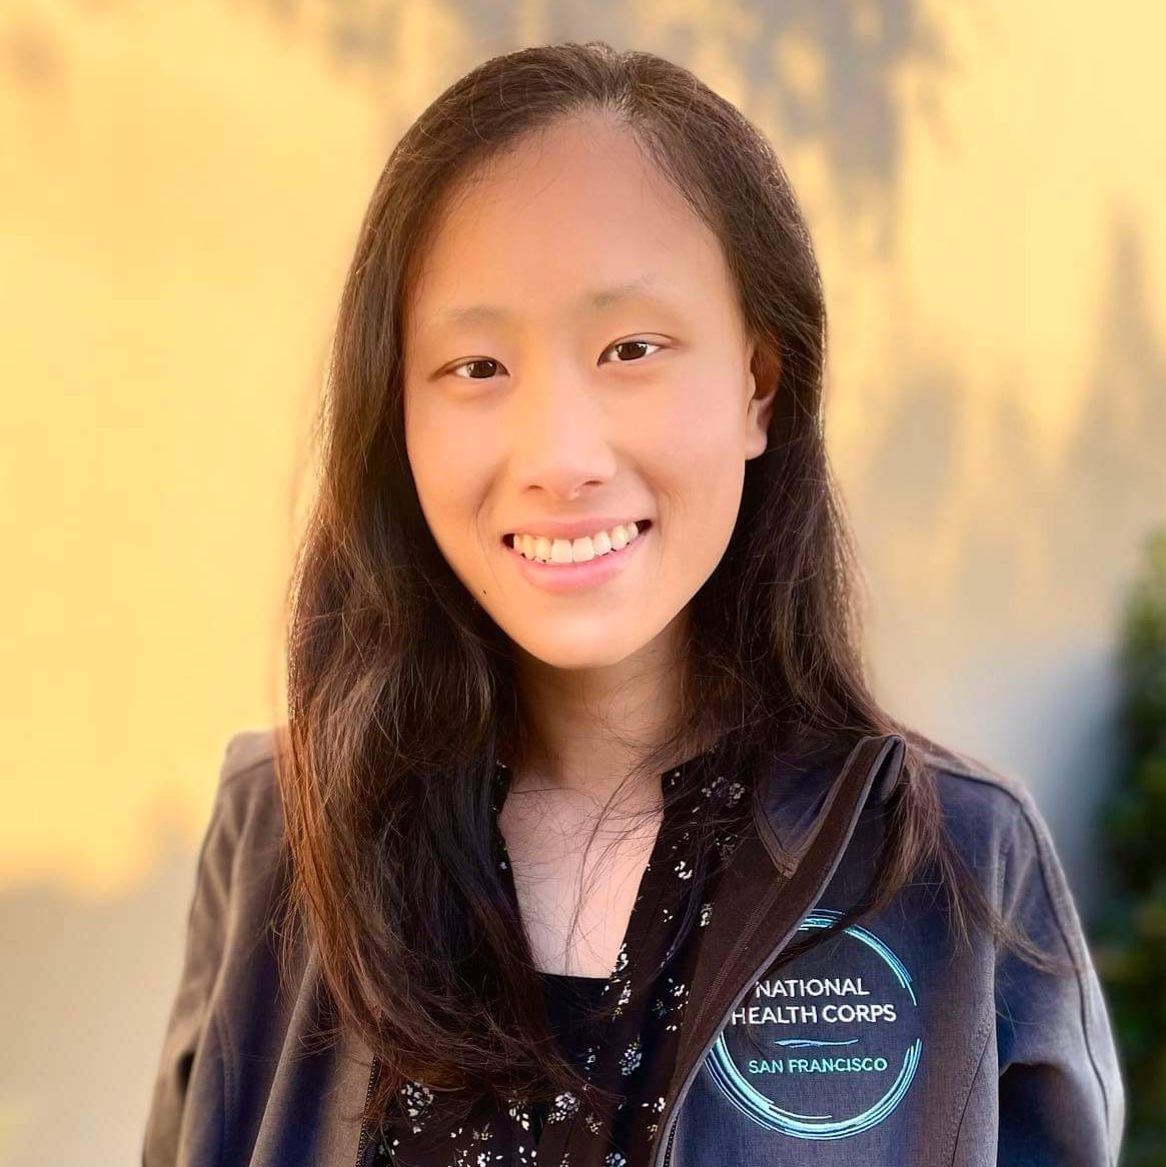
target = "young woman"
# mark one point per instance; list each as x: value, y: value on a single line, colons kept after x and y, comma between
x: 585, y: 843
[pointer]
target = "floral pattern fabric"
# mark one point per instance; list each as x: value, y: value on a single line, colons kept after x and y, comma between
x: 634, y: 1042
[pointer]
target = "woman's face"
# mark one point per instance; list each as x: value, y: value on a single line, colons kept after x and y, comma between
x: 574, y: 354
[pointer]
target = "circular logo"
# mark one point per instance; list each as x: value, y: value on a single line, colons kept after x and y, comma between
x: 826, y: 1053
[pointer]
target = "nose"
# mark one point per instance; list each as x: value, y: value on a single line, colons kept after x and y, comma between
x: 560, y: 431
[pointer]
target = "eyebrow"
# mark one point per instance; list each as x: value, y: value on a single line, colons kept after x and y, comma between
x: 596, y: 300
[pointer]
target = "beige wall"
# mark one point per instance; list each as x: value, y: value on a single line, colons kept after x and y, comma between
x: 180, y: 186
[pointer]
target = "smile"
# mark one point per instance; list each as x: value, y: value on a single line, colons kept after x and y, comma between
x: 560, y: 571
x: 544, y: 549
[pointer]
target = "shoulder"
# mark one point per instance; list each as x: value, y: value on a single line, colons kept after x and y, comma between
x: 253, y: 752
x: 246, y: 826
x: 248, y: 771
x: 972, y: 792
x: 992, y: 817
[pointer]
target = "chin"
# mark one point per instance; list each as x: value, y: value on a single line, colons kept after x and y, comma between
x: 576, y: 652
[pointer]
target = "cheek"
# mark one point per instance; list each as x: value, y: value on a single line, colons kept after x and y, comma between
x: 698, y: 436
x: 451, y: 484
x: 432, y: 459
x: 699, y: 465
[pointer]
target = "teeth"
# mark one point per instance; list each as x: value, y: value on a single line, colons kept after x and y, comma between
x: 544, y: 550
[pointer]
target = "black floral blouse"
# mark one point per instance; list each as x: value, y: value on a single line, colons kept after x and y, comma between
x: 632, y: 1047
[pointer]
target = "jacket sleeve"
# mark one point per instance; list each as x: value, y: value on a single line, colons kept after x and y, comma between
x: 186, y: 1030
x: 1062, y: 1100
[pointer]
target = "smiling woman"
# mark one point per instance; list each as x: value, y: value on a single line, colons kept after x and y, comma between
x: 578, y: 573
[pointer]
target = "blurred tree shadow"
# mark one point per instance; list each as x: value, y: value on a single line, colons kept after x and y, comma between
x: 825, y: 74
x: 1113, y: 481
x: 1012, y: 563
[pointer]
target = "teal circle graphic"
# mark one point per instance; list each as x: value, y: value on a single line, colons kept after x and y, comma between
x: 743, y: 1095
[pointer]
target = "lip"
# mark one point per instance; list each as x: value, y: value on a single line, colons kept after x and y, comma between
x: 564, y: 577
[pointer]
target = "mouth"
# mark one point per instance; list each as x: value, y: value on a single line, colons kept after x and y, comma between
x: 642, y: 527
x: 572, y: 578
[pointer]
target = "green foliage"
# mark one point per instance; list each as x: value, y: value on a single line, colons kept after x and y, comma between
x: 1128, y: 940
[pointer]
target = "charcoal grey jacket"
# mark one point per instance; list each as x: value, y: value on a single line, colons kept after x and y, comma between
x: 889, y: 1045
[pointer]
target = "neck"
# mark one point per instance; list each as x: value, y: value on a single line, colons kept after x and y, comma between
x: 586, y: 729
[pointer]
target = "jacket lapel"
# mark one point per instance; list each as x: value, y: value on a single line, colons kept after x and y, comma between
x: 805, y: 815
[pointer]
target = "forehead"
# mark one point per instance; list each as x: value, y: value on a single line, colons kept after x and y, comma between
x: 573, y: 222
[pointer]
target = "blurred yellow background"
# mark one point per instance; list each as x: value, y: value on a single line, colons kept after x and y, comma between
x: 180, y: 189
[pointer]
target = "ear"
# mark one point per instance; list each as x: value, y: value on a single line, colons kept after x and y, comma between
x: 764, y: 377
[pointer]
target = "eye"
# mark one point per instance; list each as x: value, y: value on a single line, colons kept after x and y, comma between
x: 469, y: 364
x: 634, y: 344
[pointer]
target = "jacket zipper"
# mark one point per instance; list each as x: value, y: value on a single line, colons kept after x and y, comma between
x: 372, y: 1075
x: 694, y: 1069
x: 668, y: 1148
x: 663, y: 1157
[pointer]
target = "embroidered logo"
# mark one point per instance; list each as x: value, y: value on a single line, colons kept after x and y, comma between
x: 829, y: 1052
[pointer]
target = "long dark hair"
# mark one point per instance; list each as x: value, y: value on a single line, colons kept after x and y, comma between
x: 401, y: 692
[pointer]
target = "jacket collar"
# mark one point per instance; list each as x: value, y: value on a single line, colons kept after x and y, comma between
x: 796, y: 790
